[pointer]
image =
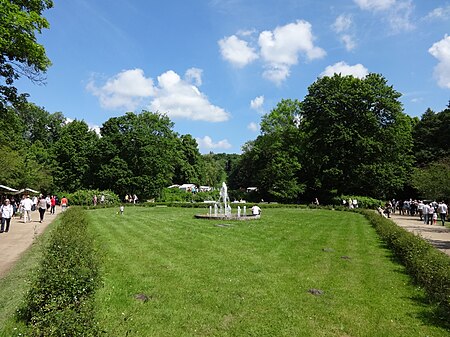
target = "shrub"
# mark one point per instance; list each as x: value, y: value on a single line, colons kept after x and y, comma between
x: 363, y: 202
x: 60, y: 300
x: 85, y: 197
x: 429, y: 267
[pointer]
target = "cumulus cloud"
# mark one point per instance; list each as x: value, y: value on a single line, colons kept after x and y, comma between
x: 257, y: 103
x: 125, y: 90
x: 237, y: 51
x: 253, y: 127
x: 177, y: 97
x: 441, y: 51
x: 358, y: 70
x: 279, y: 49
x: 206, y: 144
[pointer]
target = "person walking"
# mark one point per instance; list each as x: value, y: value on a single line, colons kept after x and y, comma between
x: 64, y: 203
x: 42, y: 205
x: 52, y: 204
x: 425, y: 210
x: 443, y: 211
x: 7, y: 212
x: 27, y: 205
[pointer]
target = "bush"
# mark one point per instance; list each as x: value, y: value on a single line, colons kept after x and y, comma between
x: 429, y: 267
x: 60, y: 300
x: 363, y: 202
x: 85, y: 197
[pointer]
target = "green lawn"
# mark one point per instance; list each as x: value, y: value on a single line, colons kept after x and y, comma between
x: 252, y: 278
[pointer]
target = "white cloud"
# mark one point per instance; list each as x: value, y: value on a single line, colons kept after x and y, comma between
x: 257, y: 103
x: 441, y: 51
x: 194, y: 76
x: 358, y: 70
x: 206, y: 144
x: 399, y: 17
x: 125, y: 90
x: 280, y: 49
x: 396, y: 12
x: 348, y: 41
x: 253, y: 127
x: 181, y: 99
x: 439, y: 13
x: 342, y: 23
x: 237, y: 51
x: 341, y: 26
x: 375, y: 5
x: 130, y: 89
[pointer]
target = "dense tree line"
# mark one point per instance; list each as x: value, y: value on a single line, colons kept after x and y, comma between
x: 348, y: 136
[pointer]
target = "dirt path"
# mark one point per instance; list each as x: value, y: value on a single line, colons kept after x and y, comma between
x: 437, y: 235
x: 19, y: 238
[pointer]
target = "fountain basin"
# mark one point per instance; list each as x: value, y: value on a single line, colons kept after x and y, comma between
x: 227, y: 217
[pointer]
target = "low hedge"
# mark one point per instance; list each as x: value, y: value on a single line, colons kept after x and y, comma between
x: 60, y: 300
x: 429, y: 267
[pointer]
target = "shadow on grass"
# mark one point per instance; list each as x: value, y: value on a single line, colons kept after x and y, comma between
x: 430, y: 313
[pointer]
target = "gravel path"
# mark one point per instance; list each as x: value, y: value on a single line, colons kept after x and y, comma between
x: 19, y: 238
x: 437, y: 235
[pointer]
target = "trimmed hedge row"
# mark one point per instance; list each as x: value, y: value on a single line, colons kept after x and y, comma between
x: 60, y: 300
x: 429, y: 267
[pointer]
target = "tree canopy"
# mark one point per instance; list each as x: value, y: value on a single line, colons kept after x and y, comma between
x: 356, y: 137
x: 20, y: 54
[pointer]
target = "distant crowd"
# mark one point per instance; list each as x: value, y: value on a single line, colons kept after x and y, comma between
x: 430, y: 212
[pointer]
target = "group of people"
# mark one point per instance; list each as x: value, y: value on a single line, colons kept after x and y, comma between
x: 428, y: 211
x: 10, y: 208
x: 131, y: 198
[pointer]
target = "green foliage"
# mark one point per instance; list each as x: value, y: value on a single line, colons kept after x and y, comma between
x: 60, y: 300
x: 363, y: 202
x: 136, y: 154
x: 432, y: 136
x: 85, y: 197
x: 357, y: 140
x: 272, y: 161
x: 20, y: 54
x: 433, y: 180
x: 177, y: 195
x: 429, y: 267
x: 73, y: 153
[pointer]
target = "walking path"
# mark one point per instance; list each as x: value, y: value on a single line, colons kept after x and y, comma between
x: 20, y: 237
x: 437, y: 235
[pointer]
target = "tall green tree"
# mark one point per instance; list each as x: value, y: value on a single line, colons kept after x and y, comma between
x: 73, y: 153
x: 357, y: 138
x: 432, y: 137
x: 189, y: 163
x: 272, y: 161
x: 136, y: 154
x: 20, y: 53
x: 433, y: 180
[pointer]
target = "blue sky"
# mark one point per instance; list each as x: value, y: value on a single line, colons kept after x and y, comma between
x: 216, y: 66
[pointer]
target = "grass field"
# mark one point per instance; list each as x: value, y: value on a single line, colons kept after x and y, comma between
x: 217, y: 278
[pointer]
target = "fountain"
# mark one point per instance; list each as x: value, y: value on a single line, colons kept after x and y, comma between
x: 222, y: 209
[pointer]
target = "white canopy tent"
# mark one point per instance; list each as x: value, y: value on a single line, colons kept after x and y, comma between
x: 27, y: 190
x: 7, y: 189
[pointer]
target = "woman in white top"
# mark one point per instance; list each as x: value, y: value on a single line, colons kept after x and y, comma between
x: 7, y: 213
